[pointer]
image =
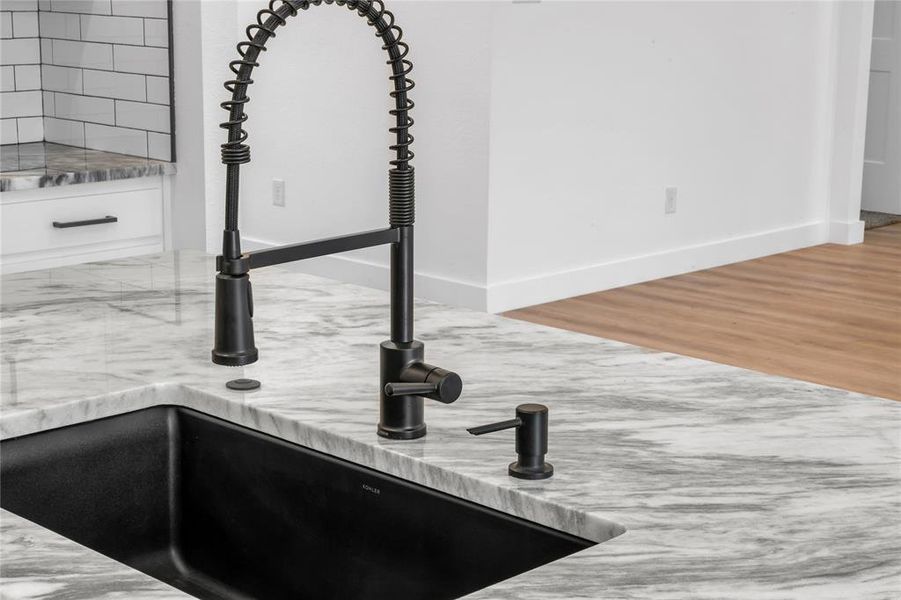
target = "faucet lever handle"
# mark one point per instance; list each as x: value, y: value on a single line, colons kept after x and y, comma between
x: 429, y: 381
x: 492, y: 427
x: 410, y: 389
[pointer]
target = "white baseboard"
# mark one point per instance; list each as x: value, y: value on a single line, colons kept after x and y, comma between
x: 509, y: 295
x: 848, y: 233
x: 374, y: 275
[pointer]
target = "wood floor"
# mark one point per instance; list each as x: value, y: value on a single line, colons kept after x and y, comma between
x: 829, y: 314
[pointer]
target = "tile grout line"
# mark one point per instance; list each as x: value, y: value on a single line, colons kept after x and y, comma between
x: 41, y: 75
x: 104, y: 125
x: 103, y: 43
x: 113, y: 98
x: 104, y: 70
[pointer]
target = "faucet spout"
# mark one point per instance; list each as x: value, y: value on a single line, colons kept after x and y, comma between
x: 402, y: 410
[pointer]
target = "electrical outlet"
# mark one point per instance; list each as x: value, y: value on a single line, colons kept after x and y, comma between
x: 278, y: 192
x: 671, y: 195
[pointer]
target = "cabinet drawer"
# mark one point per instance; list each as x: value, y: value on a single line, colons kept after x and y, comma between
x: 28, y: 225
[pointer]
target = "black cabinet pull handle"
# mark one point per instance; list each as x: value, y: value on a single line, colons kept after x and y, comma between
x: 67, y: 224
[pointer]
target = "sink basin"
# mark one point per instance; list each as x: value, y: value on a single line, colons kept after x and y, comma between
x: 221, y: 511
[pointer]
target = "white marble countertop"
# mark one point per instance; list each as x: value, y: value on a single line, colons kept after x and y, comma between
x: 728, y: 483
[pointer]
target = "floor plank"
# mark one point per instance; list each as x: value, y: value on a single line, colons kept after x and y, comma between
x: 829, y: 314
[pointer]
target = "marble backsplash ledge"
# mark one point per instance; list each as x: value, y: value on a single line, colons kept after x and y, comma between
x: 42, y: 164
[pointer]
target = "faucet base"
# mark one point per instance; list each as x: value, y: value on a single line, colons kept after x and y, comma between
x: 518, y: 470
x: 402, y: 434
x: 400, y: 417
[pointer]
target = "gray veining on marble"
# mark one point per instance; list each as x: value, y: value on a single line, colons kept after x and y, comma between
x: 44, y: 164
x: 728, y: 483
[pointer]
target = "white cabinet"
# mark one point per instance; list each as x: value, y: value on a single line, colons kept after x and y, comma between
x: 56, y: 226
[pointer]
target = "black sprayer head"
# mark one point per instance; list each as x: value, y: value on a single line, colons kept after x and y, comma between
x: 234, y: 346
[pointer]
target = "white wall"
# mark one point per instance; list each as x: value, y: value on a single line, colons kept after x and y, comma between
x: 545, y: 136
x: 851, y: 36
x: 203, y: 44
x: 620, y: 100
x: 319, y: 120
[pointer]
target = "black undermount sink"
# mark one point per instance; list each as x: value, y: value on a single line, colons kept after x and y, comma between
x: 221, y: 511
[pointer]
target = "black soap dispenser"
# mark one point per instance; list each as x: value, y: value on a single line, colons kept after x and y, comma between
x: 531, y: 441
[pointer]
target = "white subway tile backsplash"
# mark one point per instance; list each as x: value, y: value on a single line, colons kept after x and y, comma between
x: 113, y: 30
x: 8, y: 132
x: 28, y: 77
x: 19, y: 5
x: 62, y: 26
x: 82, y: 54
x: 85, y: 108
x: 21, y: 104
x: 158, y: 89
x: 109, y: 84
x: 141, y: 8
x: 20, y: 73
x: 156, y: 32
x: 61, y: 131
x: 46, y: 51
x: 49, y: 110
x: 25, y: 51
x: 62, y: 79
x: 116, y: 139
x: 7, y: 79
x: 140, y: 115
x: 25, y: 25
x: 97, y: 7
x: 159, y: 146
x: 6, y: 25
x: 31, y: 129
x: 92, y: 73
x: 134, y: 59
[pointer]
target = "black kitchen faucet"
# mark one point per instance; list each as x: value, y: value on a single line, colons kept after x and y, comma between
x: 405, y: 378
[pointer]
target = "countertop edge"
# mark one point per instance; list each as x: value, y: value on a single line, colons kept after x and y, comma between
x: 509, y: 500
x: 16, y: 183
